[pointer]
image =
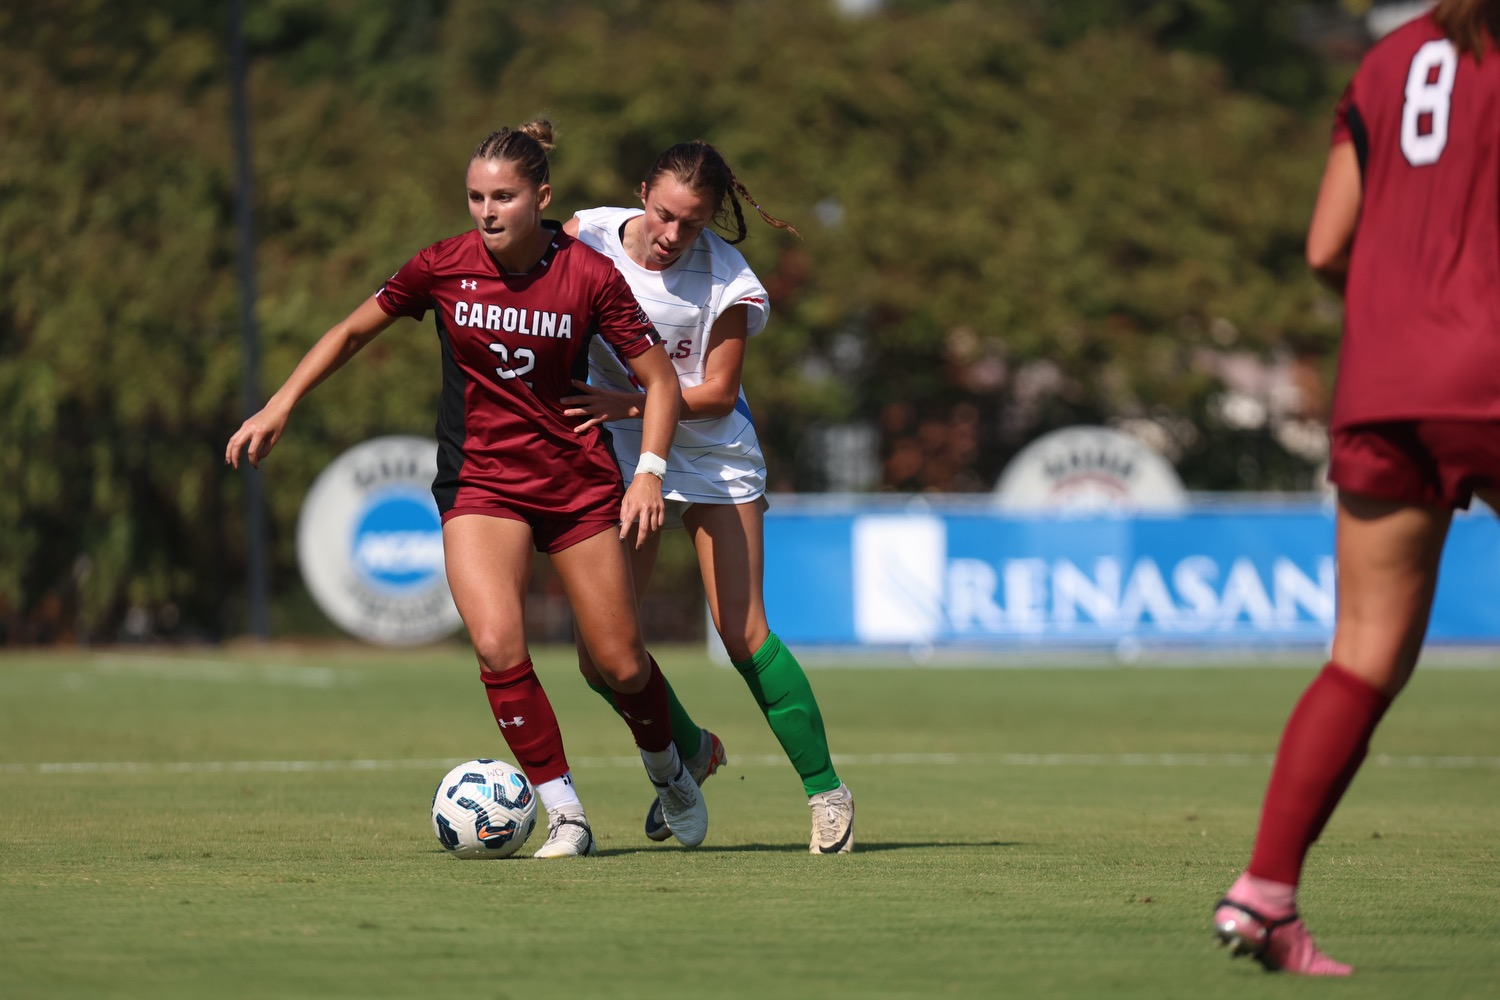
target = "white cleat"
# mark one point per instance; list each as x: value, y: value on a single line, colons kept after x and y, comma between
x: 683, y: 807
x: 710, y: 758
x: 832, y: 821
x: 567, y: 837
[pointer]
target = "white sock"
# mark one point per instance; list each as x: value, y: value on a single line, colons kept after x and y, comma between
x: 558, y: 796
x: 662, y: 765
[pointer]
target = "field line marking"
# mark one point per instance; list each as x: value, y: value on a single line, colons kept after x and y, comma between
x: 1403, y: 761
x: 218, y: 671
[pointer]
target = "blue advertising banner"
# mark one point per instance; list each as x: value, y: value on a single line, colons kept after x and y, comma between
x: 934, y: 574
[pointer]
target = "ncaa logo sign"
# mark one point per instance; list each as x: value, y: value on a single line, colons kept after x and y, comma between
x: 370, y: 544
x: 398, y: 541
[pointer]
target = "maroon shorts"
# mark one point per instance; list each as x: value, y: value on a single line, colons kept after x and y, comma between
x: 549, y: 534
x: 1433, y: 462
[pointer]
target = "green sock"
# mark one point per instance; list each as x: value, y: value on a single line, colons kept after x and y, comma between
x: 786, y: 699
x: 685, y: 732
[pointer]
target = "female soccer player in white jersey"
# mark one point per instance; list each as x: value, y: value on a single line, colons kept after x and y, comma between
x: 706, y: 303
x: 516, y: 304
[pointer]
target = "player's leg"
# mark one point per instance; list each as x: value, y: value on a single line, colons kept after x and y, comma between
x: 595, y: 574
x: 1388, y: 553
x: 489, y: 567
x: 700, y: 751
x: 730, y: 542
x: 685, y: 732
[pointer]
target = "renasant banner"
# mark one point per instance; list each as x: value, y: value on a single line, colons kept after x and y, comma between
x: 972, y: 577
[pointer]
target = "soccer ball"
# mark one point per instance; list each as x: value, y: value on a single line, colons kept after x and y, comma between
x: 483, y: 809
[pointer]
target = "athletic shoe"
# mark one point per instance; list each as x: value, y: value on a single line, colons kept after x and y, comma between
x: 710, y: 758
x: 683, y: 807
x: 1280, y: 945
x: 567, y: 837
x: 832, y: 821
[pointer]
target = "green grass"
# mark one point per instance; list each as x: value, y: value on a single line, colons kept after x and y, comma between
x: 181, y: 856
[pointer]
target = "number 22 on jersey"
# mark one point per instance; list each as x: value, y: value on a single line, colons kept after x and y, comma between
x: 513, y: 365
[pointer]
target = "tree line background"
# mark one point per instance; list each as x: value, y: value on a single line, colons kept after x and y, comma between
x: 1016, y: 216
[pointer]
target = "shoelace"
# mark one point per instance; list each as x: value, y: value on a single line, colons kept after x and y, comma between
x: 827, y: 817
x: 685, y: 792
x: 558, y: 822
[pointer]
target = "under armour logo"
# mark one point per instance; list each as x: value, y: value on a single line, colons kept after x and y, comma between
x: 466, y: 283
x: 507, y: 723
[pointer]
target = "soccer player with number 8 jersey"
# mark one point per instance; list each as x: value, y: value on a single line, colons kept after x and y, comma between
x: 1407, y: 226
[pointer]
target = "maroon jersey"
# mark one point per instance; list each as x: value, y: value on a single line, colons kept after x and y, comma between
x: 511, y: 344
x: 1422, y: 304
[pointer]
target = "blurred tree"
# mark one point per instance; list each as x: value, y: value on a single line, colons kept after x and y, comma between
x: 1014, y: 219
x: 116, y: 291
x: 1257, y: 44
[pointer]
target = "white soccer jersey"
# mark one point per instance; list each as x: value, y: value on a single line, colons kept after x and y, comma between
x: 713, y: 460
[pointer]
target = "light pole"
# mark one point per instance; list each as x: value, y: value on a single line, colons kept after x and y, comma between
x: 256, y: 576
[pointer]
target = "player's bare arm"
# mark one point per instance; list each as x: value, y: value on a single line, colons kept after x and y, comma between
x: 714, y: 397
x: 643, y: 504
x: 1331, y: 232
x: 723, y: 364
x: 259, y: 434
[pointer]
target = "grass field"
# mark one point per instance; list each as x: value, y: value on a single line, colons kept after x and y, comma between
x: 254, y: 823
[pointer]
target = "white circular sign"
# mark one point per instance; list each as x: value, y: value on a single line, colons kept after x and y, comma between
x: 370, y: 544
x: 1089, y: 468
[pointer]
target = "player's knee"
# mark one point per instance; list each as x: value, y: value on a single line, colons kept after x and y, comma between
x: 627, y: 673
x: 496, y: 653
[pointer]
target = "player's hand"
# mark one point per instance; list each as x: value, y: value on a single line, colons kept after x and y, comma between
x: 600, y: 406
x: 643, y: 507
x: 255, y: 438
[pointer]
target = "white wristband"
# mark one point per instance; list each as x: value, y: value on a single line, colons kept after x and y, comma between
x: 652, y: 464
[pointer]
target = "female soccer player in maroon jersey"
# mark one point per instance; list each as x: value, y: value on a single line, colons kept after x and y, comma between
x: 516, y: 303
x: 1407, y: 226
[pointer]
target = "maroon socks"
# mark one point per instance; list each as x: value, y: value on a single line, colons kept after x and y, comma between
x: 1322, y: 747
x: 526, y: 720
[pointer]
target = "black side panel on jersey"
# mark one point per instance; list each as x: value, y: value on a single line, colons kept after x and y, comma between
x: 580, y: 373
x: 1361, y: 137
x: 580, y: 370
x: 609, y: 448
x: 450, y: 425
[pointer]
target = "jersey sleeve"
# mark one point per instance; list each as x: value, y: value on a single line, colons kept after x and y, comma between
x: 592, y: 223
x: 745, y: 289
x: 1342, y: 130
x: 622, y: 321
x: 408, y: 292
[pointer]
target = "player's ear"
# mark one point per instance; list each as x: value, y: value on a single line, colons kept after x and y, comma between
x: 643, y: 192
x: 543, y: 197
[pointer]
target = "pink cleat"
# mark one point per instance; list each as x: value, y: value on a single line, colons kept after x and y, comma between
x: 1282, y: 945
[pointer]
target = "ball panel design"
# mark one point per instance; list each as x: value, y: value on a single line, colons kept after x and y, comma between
x: 483, y: 808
